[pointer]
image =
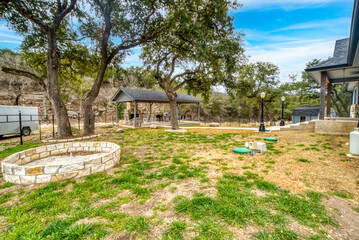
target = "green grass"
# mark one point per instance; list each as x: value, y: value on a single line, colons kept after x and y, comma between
x: 176, y: 231
x: 343, y: 194
x: 235, y: 203
x: 64, y: 230
x: 139, y: 225
x: 208, y: 229
x: 277, y: 234
x: 6, y: 197
x: 6, y: 185
x: 18, y: 148
x: 303, y: 160
x: 168, y: 163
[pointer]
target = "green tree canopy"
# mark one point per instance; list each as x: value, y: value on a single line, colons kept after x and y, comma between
x: 199, y: 50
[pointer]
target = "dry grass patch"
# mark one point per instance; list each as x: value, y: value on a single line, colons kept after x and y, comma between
x: 173, y: 186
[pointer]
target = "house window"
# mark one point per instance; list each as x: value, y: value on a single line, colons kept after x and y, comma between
x: 303, y: 118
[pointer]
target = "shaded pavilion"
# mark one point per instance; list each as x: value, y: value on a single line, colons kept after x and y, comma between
x: 136, y: 96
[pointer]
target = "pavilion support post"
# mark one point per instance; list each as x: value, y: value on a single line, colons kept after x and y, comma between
x: 116, y: 112
x: 329, y: 98
x: 323, y: 81
x: 150, y: 116
x: 135, y: 115
x: 199, y: 112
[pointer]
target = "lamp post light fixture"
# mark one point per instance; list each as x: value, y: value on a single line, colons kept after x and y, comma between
x: 261, y: 126
x: 282, y: 121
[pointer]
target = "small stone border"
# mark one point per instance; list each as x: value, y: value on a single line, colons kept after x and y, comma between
x: 70, y: 139
x: 14, y: 171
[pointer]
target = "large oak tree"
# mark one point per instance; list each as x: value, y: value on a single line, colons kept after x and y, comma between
x: 122, y: 25
x: 199, y: 50
x: 38, y: 19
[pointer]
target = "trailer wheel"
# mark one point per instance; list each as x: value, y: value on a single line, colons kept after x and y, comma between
x: 26, y: 131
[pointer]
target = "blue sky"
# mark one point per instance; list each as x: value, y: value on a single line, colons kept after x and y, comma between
x: 292, y: 33
x: 286, y: 33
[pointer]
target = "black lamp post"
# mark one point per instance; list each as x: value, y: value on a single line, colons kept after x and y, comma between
x: 282, y: 121
x: 261, y: 126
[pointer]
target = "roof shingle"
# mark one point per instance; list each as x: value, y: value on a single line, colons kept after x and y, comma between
x: 339, y: 58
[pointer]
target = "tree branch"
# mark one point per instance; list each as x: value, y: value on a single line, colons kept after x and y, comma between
x: 134, y: 43
x: 158, y: 76
x: 73, y: 39
x: 149, y: 17
x: 172, y: 70
x: 21, y: 73
x: 63, y: 13
x: 182, y: 84
x: 25, y: 12
x: 59, y: 5
x: 181, y: 75
x: 344, y: 105
x: 99, y: 4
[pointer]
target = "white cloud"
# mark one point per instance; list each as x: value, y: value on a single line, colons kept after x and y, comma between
x: 328, y: 24
x: 133, y: 59
x: 285, y: 4
x: 10, y: 36
x: 291, y: 57
x: 9, y: 41
x: 291, y: 51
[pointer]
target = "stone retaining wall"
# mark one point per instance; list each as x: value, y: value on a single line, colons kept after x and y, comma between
x: 335, y: 127
x: 14, y: 171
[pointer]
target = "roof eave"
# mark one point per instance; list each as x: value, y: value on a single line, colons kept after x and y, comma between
x: 115, y: 95
x: 326, y: 68
x: 118, y: 92
x: 165, y: 101
x: 311, y: 75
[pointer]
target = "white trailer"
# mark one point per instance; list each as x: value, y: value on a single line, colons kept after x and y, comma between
x: 9, y: 120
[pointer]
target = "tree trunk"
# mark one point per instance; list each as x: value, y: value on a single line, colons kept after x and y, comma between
x: 343, y: 106
x: 173, y: 109
x: 17, y: 98
x: 81, y: 106
x: 89, y: 117
x: 53, y: 92
x: 44, y: 105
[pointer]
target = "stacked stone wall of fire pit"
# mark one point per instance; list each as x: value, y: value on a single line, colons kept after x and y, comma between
x: 15, y: 170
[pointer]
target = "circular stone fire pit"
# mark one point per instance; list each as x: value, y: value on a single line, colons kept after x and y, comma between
x: 59, y: 162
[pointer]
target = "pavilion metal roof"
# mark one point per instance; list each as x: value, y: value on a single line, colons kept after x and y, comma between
x: 139, y: 95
